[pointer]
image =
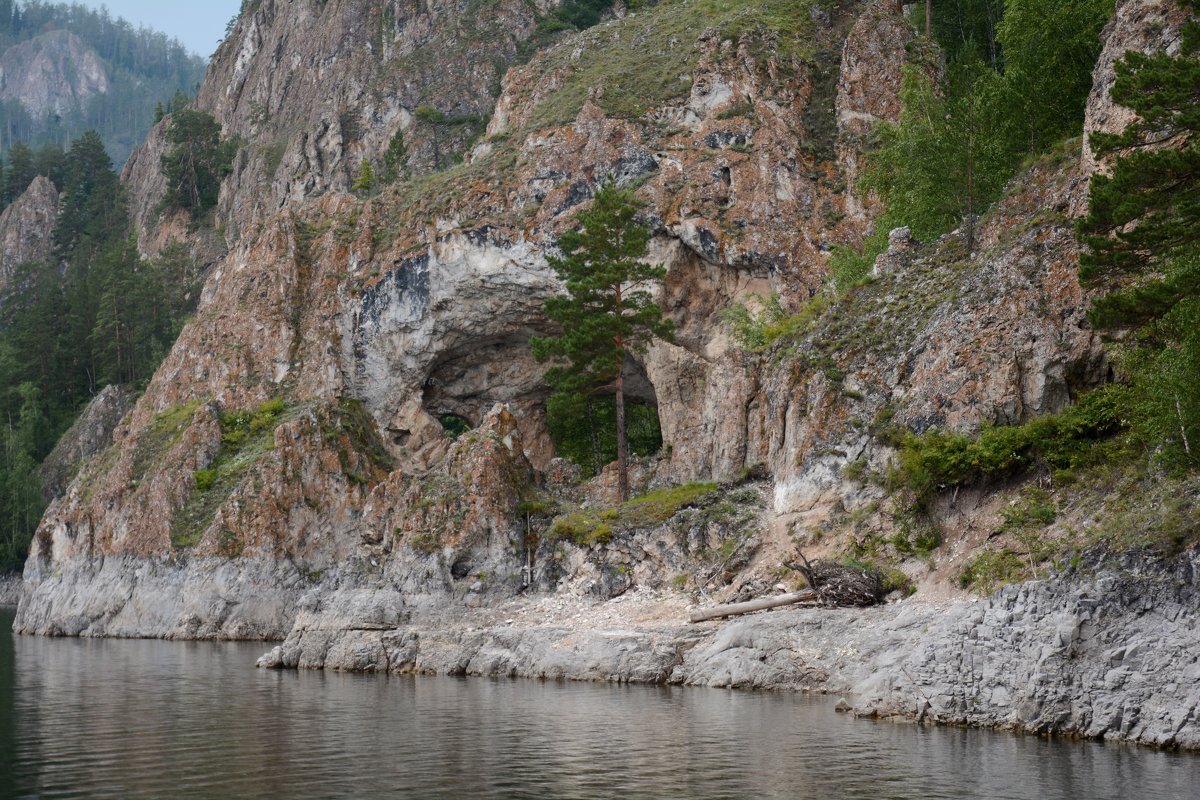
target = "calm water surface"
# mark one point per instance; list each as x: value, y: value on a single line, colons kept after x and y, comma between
x: 162, y: 719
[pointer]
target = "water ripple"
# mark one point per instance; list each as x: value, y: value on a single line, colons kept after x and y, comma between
x: 127, y: 719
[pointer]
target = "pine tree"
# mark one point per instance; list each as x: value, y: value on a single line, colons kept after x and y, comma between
x: 608, y: 312
x: 395, y: 158
x: 20, y: 173
x: 1143, y: 235
x: 365, y: 181
x: 196, y: 163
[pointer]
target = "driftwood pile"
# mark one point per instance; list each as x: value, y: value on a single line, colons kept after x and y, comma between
x: 841, y: 585
x: 830, y: 584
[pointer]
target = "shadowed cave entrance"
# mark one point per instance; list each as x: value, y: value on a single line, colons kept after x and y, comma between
x: 465, y: 384
x: 584, y: 428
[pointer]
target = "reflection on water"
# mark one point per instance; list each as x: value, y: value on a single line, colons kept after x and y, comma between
x: 161, y: 719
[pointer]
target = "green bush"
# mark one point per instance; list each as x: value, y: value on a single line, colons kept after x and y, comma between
x: 937, y: 460
x: 205, y: 479
x: 990, y: 570
x: 758, y: 331
x: 597, y: 526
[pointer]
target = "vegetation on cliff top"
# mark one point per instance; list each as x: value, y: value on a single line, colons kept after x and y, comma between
x: 647, y: 61
x: 1011, y: 87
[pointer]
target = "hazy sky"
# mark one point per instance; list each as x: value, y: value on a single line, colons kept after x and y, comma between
x: 199, y: 25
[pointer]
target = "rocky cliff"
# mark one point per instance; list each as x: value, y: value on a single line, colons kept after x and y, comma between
x: 27, y: 229
x: 286, y: 474
x: 52, y: 74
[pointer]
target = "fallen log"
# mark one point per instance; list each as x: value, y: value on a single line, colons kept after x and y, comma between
x: 718, y: 612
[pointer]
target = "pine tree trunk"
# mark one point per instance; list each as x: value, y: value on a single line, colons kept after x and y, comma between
x: 622, y: 443
x: 929, y: 18
x: 597, y: 452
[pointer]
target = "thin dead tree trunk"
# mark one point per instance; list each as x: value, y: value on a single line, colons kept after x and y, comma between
x: 929, y: 18
x: 1187, y: 446
x: 622, y: 435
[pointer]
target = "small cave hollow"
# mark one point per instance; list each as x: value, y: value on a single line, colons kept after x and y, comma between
x: 465, y: 383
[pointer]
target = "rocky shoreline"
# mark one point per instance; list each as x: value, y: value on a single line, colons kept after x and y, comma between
x: 1107, y: 653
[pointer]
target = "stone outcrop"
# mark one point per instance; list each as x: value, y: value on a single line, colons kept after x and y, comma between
x: 52, y: 74
x: 1107, y: 653
x: 27, y: 228
x: 91, y: 433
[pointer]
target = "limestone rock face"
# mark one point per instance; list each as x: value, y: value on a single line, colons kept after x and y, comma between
x: 1145, y: 26
x: 943, y: 338
x: 92, y: 433
x: 27, y: 228
x: 1084, y: 655
x: 53, y: 73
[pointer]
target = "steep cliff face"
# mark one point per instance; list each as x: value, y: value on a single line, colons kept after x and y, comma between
x: 27, y: 228
x: 52, y: 74
x: 286, y: 471
x: 312, y: 89
x: 422, y: 302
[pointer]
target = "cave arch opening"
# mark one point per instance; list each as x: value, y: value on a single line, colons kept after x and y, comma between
x: 583, y: 427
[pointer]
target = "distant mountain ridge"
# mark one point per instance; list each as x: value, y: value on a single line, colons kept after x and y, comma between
x: 66, y: 69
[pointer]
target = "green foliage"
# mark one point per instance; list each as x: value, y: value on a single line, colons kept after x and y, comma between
x: 660, y: 505
x: 366, y: 181
x: 572, y: 15
x: 584, y: 429
x: 454, y: 425
x: 757, y: 331
x: 597, y: 526
x: 23, y: 441
x: 1050, y: 49
x: 647, y: 61
x: 608, y: 312
x: 157, y: 439
x: 196, y: 163
x: 851, y: 266
x: 246, y: 436
x: 989, y: 570
x: 1036, y: 509
x: 966, y: 26
x: 944, y: 160
x: 1142, y: 231
x: 395, y: 159
x: 936, y: 460
x: 1013, y: 85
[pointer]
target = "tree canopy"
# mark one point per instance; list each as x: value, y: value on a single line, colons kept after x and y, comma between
x: 608, y: 311
x: 1143, y: 235
x: 95, y: 314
